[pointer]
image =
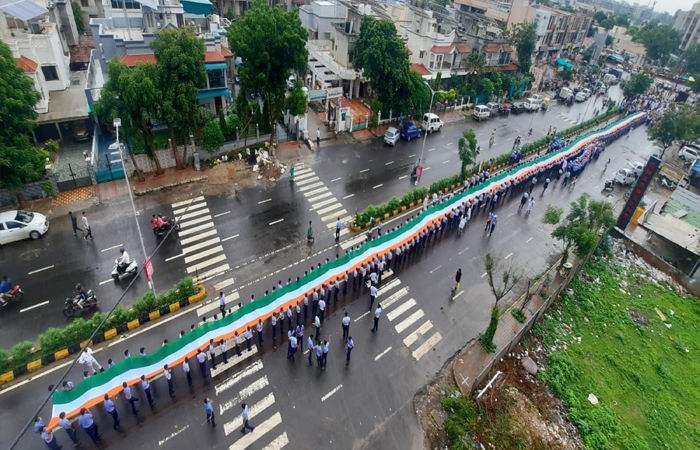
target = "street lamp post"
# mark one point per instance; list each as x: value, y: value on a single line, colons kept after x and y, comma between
x: 425, y: 137
x: 117, y: 124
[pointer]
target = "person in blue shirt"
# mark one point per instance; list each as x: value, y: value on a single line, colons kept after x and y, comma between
x: 209, y: 409
x: 88, y: 423
x: 6, y: 285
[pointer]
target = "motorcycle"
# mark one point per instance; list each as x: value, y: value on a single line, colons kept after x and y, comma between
x: 168, y: 224
x: 14, y: 294
x: 72, y: 307
x: 131, y: 269
x: 609, y: 186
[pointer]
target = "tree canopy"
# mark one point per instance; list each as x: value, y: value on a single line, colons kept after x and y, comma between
x: 179, y: 74
x: 297, y: 101
x: 468, y: 149
x: 637, y: 84
x: 659, y: 40
x: 679, y: 123
x: 18, y: 96
x: 271, y: 43
x: 691, y: 59
x: 524, y: 37
x: 608, y: 20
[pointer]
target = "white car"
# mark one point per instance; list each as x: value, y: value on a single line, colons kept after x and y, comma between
x: 689, y: 153
x: 391, y: 137
x: 580, y: 96
x: 18, y: 224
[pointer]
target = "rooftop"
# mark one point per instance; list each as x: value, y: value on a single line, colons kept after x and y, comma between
x: 26, y: 64
x: 68, y: 104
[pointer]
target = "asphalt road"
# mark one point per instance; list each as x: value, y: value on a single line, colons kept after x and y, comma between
x: 368, y: 404
x: 257, y: 233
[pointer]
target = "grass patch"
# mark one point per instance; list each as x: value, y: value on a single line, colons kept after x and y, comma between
x: 643, y: 373
x: 519, y: 315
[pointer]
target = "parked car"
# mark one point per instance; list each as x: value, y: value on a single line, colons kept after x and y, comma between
x: 18, y: 224
x: 410, y: 131
x: 625, y: 177
x: 431, y: 122
x: 493, y: 108
x: 517, y: 107
x: 504, y: 109
x: 636, y: 167
x: 391, y: 137
x: 532, y: 104
x: 689, y: 152
x: 481, y: 112
x: 580, y: 96
x: 565, y: 93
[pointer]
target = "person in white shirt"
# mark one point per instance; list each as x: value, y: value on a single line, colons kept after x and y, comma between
x: 346, y: 326
x: 377, y: 313
x: 186, y: 369
x: 349, y: 346
x: 372, y: 296
x: 317, y: 323
x: 321, y: 309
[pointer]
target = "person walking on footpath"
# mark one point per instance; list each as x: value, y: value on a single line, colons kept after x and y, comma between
x: 488, y: 221
x: 202, y: 360
x: 546, y: 183
x: 69, y: 427
x: 338, y: 226
x: 292, y: 347
x: 377, y: 313
x: 346, y: 326
x: 222, y: 304
x: 209, y: 410
x: 146, y: 386
x: 493, y: 224
x: 49, y: 439
x: 74, y: 223
x: 372, y: 296
x: 186, y: 369
x: 88, y: 423
x: 89, y: 360
x: 318, y: 137
x: 458, y: 278
x: 86, y: 227
x: 244, y: 414
x: 530, y: 205
x: 348, y: 347
x: 167, y: 373
x: 112, y: 411
x: 130, y: 397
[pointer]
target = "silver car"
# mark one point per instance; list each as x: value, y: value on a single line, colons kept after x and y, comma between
x: 391, y: 137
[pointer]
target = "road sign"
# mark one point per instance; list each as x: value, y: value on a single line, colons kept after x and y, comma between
x: 148, y: 268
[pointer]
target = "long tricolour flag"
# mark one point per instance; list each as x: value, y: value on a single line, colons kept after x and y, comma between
x: 90, y: 391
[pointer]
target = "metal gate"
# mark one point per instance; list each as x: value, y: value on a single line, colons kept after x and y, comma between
x: 73, y: 177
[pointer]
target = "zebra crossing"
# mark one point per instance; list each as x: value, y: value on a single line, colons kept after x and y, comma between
x: 323, y: 202
x: 251, y: 386
x: 566, y: 118
x: 407, y: 318
x: 202, y: 251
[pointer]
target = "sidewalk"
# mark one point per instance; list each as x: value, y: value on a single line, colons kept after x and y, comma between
x: 473, y: 364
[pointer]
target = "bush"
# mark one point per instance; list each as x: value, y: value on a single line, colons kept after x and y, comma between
x: 185, y: 288
x: 519, y: 316
x: 4, y: 361
x: 53, y: 340
x: 146, y: 305
x: 407, y: 198
x: 393, y: 205
x: 78, y: 330
x: 22, y: 353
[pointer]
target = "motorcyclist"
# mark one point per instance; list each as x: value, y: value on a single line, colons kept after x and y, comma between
x: 157, y: 221
x: 6, y: 285
x: 123, y: 261
x: 81, y: 295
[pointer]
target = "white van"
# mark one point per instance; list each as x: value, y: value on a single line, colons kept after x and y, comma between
x: 481, y: 112
x: 532, y: 104
x: 431, y: 122
x: 625, y: 177
x: 565, y: 93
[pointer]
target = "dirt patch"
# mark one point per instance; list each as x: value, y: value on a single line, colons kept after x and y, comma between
x: 637, y: 318
x: 428, y: 407
x: 237, y: 175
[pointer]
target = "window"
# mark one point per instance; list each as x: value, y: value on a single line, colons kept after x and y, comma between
x: 421, y: 54
x: 50, y: 73
x: 128, y: 4
x: 216, y: 78
x: 2, y: 226
x: 84, y: 3
x: 503, y: 58
x: 11, y: 225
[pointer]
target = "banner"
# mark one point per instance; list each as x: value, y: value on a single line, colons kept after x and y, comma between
x: 91, y: 390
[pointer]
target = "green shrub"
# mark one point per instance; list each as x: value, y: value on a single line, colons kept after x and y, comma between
x: 393, y: 204
x: 407, y: 198
x: 78, y: 330
x: 120, y: 316
x: 52, y: 340
x: 146, y: 305
x: 185, y: 288
x: 4, y: 361
x: 519, y: 315
x: 22, y: 353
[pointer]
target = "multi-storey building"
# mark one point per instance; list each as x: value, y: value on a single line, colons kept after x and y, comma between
x: 687, y: 23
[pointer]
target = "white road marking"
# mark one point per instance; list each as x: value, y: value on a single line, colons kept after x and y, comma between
x: 378, y: 186
x: 34, y: 306
x: 111, y: 248
x: 244, y: 393
x: 376, y: 358
x: 325, y: 202
x: 332, y: 391
x: 198, y: 237
x: 191, y: 222
x: 209, y: 274
x: 204, y: 254
x: 457, y: 295
x: 394, y: 297
x: 280, y: 442
x: 41, y: 270
x: 201, y: 245
x: 172, y: 435
x: 417, y: 333
x: 213, y: 305
x: 427, y: 345
x: 302, y: 171
x: 315, y: 191
x: 364, y: 170
x: 435, y: 269
x: 328, y: 209
x: 225, y: 283
x: 106, y: 281
x: 303, y: 176
x: 410, y: 320
x: 195, y: 229
x: 177, y: 212
x: 402, y: 308
x: 336, y: 179
x: 360, y: 317
x: 309, y: 180
x: 253, y: 436
x: 222, y: 214
x: 426, y: 168
x: 343, y: 219
x: 528, y: 240
x: 389, y: 286
x: 189, y: 215
x: 253, y: 410
x: 509, y: 255
x: 447, y: 161
x: 235, y: 378
x: 352, y: 242
x: 174, y: 257
x: 230, y: 237
x: 463, y: 250
x: 403, y: 176
x: 187, y: 202
x: 483, y: 275
x: 203, y: 264
x: 275, y: 222
x: 348, y: 196
x: 411, y: 156
x: 333, y: 216
x: 431, y: 149
x: 311, y: 186
x: 389, y: 163
x: 319, y: 197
